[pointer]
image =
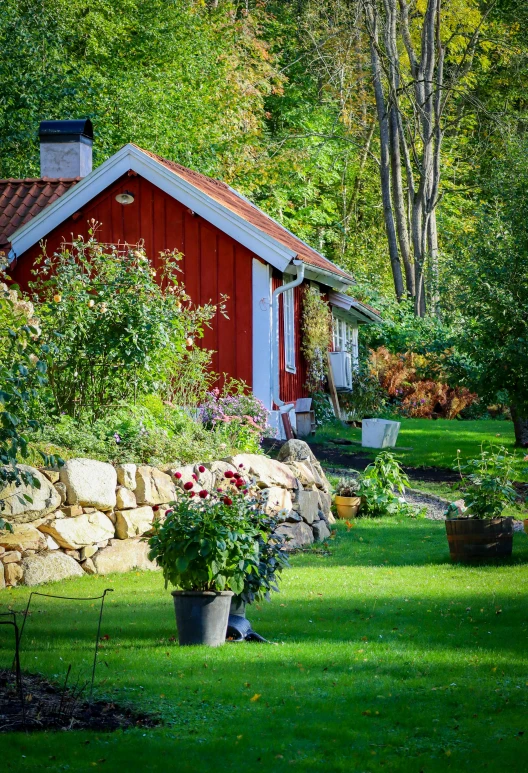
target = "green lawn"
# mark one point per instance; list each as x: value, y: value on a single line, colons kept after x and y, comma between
x: 388, y: 658
x: 426, y: 443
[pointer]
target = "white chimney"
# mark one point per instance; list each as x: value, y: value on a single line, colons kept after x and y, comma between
x: 66, y: 148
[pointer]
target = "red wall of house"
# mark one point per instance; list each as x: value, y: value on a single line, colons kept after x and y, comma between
x: 292, y: 385
x: 213, y: 263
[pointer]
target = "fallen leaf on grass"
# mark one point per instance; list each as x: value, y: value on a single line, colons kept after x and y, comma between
x: 255, y: 697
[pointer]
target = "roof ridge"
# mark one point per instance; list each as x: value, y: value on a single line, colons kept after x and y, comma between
x: 39, y: 179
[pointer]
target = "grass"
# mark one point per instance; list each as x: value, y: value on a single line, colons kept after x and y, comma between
x: 389, y: 658
x: 426, y: 443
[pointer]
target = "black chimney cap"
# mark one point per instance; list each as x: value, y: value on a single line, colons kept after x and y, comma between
x: 77, y: 130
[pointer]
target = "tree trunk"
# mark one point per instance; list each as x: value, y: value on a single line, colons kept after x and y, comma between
x: 520, y: 425
x: 385, y: 174
x: 432, y: 244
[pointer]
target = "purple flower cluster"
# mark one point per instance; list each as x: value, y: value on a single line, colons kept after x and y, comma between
x: 224, y: 408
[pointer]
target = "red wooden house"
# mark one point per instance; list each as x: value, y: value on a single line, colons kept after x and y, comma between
x: 230, y: 247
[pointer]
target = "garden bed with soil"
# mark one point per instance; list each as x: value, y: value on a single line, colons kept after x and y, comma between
x: 48, y: 706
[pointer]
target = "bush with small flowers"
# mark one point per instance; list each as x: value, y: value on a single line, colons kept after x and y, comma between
x: 125, y: 329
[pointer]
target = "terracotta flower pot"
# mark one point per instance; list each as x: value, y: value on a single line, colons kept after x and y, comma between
x: 347, y: 507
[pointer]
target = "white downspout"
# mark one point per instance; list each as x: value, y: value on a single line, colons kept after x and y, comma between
x: 275, y: 382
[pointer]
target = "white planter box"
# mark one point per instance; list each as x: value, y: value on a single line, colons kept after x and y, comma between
x: 379, y: 433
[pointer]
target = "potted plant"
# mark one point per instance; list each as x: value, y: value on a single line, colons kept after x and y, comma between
x: 206, y: 546
x: 346, y: 500
x: 481, y: 532
x: 382, y: 487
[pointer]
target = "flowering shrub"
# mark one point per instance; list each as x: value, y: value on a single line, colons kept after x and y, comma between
x: 125, y: 328
x: 238, y: 413
x: 219, y: 541
x: 406, y: 378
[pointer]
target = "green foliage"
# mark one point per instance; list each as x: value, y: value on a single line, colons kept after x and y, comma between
x: 492, y: 282
x: 22, y: 377
x: 148, y: 432
x: 324, y: 413
x: 488, y: 487
x: 346, y: 487
x: 272, y: 560
x: 112, y: 331
x: 176, y: 77
x: 208, y: 543
x: 367, y: 397
x: 316, y: 325
x: 379, y: 486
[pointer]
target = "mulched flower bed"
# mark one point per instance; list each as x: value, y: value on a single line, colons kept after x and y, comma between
x: 49, y: 707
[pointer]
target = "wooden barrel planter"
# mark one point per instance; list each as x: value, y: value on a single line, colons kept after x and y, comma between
x: 472, y: 540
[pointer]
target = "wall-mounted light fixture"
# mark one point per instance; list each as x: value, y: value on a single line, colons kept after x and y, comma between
x: 125, y: 198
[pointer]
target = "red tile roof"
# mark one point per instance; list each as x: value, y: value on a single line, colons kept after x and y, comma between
x: 250, y: 213
x: 20, y: 200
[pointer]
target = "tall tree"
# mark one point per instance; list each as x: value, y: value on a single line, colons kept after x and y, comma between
x: 421, y: 55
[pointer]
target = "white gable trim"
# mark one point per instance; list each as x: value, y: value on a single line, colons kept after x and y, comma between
x: 132, y: 158
x: 262, y: 332
x: 349, y: 308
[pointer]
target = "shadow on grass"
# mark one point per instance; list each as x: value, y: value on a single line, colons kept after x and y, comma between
x: 347, y: 615
x: 384, y: 543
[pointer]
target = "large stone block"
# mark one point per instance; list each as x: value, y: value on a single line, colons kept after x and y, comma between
x: 133, y: 523
x: 123, y: 556
x: 321, y: 531
x: 307, y: 505
x: 24, y: 537
x: 13, y: 573
x: 89, y: 482
x: 266, y: 472
x: 126, y: 475
x: 276, y: 500
x: 153, y: 487
x: 297, y: 535
x: 17, y: 509
x: 125, y: 498
x: 219, y: 470
x: 325, y: 502
x: 75, y: 533
x: 49, y: 567
x: 299, y: 451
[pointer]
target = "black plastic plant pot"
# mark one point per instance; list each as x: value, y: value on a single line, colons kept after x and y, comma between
x: 201, y: 616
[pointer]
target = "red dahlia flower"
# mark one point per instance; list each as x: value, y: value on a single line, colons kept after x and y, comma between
x: 227, y: 501
x: 188, y: 486
x: 228, y: 474
x: 201, y: 468
x: 203, y: 493
x: 177, y: 475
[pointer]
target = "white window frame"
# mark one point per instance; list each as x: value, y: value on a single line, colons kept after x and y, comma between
x: 345, y: 339
x: 288, y: 315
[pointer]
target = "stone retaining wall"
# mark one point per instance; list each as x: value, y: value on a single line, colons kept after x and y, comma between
x: 89, y: 517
